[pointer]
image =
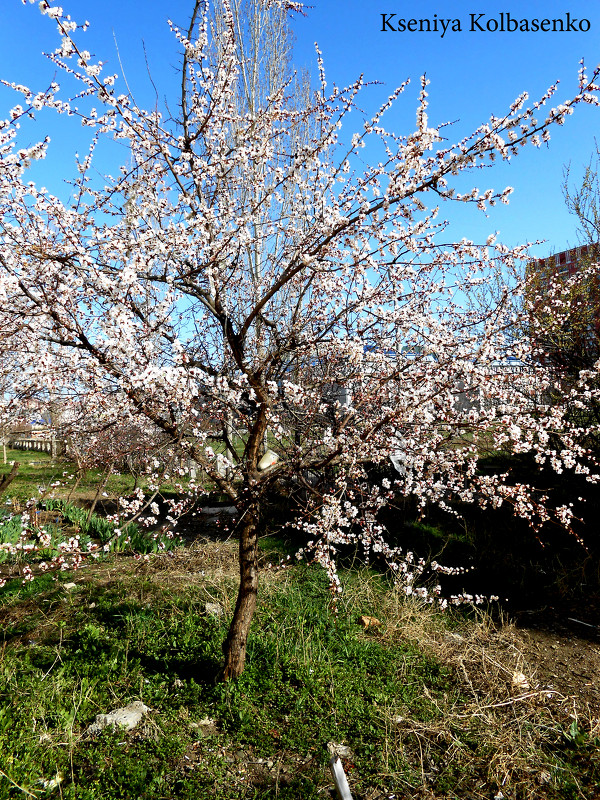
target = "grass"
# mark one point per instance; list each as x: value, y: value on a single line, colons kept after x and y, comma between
x: 38, y: 472
x: 54, y: 522
x: 421, y: 701
x: 40, y: 477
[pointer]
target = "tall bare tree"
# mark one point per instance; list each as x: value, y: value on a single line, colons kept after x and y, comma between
x: 583, y: 198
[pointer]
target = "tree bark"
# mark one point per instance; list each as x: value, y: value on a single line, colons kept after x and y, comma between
x: 234, y: 646
x: 6, y: 480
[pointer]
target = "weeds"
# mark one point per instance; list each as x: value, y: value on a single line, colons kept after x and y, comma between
x: 424, y: 703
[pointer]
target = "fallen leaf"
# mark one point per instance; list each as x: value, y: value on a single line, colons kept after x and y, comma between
x: 369, y: 622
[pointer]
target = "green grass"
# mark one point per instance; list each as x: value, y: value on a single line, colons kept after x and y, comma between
x: 127, y: 633
x: 38, y: 472
x: 59, y: 521
x: 419, y: 724
x: 307, y: 683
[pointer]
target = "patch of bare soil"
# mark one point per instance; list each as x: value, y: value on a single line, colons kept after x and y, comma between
x: 563, y: 648
x: 551, y: 663
x: 569, y: 665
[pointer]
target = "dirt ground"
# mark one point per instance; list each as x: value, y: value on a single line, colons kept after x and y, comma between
x: 562, y: 647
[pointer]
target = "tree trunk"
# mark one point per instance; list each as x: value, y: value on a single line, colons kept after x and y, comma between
x: 6, y: 480
x: 234, y: 646
x: 80, y: 475
x: 100, y: 489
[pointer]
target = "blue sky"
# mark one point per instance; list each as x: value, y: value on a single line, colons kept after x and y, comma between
x: 473, y: 74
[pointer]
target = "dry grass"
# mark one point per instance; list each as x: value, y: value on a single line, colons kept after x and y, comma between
x: 500, y: 729
x: 506, y: 724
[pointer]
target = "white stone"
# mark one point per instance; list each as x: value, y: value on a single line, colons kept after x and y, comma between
x: 222, y: 465
x: 398, y: 456
x: 214, y: 609
x: 127, y: 718
x: 519, y: 681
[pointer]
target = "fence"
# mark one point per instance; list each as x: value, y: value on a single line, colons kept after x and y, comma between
x: 55, y: 447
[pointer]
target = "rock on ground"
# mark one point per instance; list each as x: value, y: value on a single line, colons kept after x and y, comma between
x: 127, y: 718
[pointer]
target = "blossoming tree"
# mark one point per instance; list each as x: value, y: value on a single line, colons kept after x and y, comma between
x: 265, y: 302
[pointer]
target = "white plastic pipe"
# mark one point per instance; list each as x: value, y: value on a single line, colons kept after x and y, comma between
x: 339, y: 778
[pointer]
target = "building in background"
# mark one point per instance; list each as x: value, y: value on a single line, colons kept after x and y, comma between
x: 563, y: 295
